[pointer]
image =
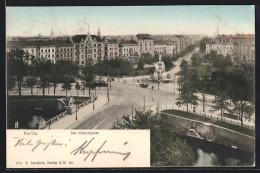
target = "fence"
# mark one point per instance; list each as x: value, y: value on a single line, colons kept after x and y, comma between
x: 213, y: 117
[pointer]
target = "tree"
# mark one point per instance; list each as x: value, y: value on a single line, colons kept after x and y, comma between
x: 242, y: 91
x: 203, y: 43
x: 188, y: 85
x: 196, y: 60
x: 220, y: 103
x: 66, y: 85
x: 140, y: 64
x: 42, y: 70
x: 77, y: 87
x: 88, y: 76
x: 220, y: 87
x: 30, y: 82
x: 17, y: 66
x: 10, y: 82
x: 166, y: 148
x: 167, y: 62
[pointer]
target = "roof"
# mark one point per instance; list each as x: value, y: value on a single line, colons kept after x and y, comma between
x: 238, y: 36
x: 38, y: 43
x: 144, y: 36
x: 170, y: 42
x: 78, y: 38
x: 159, y: 43
x: 163, y: 43
x: 127, y: 42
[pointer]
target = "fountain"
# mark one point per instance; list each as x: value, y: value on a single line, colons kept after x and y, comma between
x: 160, y: 73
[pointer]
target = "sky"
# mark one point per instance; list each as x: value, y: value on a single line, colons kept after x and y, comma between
x: 119, y: 20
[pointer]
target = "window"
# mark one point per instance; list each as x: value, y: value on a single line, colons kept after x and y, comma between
x: 45, y: 56
x: 45, y: 50
x: 48, y: 50
x: 64, y: 54
x: 68, y: 49
x: 82, y: 62
x: 52, y: 50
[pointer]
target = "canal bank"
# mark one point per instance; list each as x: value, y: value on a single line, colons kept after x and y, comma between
x: 208, y: 154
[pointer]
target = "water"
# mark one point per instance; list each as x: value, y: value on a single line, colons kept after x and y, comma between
x: 209, y: 154
x: 211, y: 159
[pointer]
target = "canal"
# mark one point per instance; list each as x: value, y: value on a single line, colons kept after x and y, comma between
x: 210, y: 154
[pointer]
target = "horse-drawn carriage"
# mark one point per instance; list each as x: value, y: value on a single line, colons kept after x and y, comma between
x: 142, y: 85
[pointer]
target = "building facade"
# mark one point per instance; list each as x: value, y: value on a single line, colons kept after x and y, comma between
x: 111, y: 49
x: 87, y: 48
x: 129, y: 50
x: 240, y: 47
x: 145, y: 43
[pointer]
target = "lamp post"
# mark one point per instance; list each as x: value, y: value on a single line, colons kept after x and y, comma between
x: 93, y: 102
x: 76, y: 112
x: 174, y: 82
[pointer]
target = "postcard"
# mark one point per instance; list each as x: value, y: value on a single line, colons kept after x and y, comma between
x: 130, y: 86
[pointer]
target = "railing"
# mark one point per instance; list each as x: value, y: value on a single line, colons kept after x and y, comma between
x: 213, y: 117
x: 63, y: 114
x: 56, y: 118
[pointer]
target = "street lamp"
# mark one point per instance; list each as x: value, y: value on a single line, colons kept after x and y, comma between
x: 76, y: 112
x: 93, y: 102
x: 174, y: 82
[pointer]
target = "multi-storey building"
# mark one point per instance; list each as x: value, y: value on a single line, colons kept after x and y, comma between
x: 44, y: 49
x: 244, y: 48
x: 64, y: 51
x: 128, y: 50
x: 145, y: 43
x: 160, y: 47
x: 165, y: 48
x: 111, y: 49
x: 87, y: 48
x: 240, y: 47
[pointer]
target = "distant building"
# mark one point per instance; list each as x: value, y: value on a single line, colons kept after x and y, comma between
x: 49, y: 50
x: 128, y: 50
x: 87, y: 48
x: 240, y: 47
x: 145, y: 43
x: 165, y: 48
x: 111, y: 49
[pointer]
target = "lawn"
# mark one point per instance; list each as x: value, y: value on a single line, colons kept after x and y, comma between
x: 205, y: 119
x: 202, y: 69
x: 235, y: 128
x: 187, y: 115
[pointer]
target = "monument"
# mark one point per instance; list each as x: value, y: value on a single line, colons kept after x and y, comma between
x: 160, y: 73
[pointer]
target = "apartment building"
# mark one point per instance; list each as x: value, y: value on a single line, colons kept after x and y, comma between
x: 145, y: 43
x: 129, y: 50
x: 87, y: 48
x: 240, y: 47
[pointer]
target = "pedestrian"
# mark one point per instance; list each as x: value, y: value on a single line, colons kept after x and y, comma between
x: 152, y: 87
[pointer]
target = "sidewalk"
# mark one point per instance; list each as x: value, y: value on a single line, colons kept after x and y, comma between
x: 70, y: 119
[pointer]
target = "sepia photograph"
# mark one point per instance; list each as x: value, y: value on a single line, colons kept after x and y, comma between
x: 147, y: 86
